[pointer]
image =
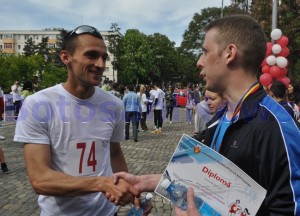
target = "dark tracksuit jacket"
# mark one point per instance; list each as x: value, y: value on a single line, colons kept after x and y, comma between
x: 265, y: 143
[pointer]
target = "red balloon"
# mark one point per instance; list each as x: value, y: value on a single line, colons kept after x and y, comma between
x: 266, y: 69
x: 283, y: 41
x: 275, y: 71
x: 264, y: 62
x: 283, y: 72
x: 285, y: 80
x: 284, y: 52
x: 265, y: 79
x: 269, y: 48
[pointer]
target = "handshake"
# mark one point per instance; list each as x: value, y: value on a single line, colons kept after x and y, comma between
x: 130, y: 187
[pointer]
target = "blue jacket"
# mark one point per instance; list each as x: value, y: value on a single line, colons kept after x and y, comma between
x: 265, y: 143
x: 132, y: 102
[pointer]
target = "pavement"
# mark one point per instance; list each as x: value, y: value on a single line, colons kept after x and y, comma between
x: 150, y: 155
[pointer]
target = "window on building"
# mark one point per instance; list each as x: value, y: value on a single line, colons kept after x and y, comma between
x: 19, y: 37
x: 26, y: 37
x: 106, y: 69
x: 108, y: 59
x: 1, y: 47
x: 8, y: 46
x: 51, y: 45
x: 19, y: 46
x: 1, y: 36
x: 52, y: 36
x: 8, y: 36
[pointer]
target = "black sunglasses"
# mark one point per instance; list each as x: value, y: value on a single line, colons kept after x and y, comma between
x: 85, y: 29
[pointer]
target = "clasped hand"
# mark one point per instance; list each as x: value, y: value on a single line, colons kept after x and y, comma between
x: 120, y: 193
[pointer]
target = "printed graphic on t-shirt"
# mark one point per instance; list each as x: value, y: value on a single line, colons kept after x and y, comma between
x: 84, y: 157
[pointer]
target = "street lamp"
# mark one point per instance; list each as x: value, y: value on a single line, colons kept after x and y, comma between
x: 274, y: 14
x: 222, y: 8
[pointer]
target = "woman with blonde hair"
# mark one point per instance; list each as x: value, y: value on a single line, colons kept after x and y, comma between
x: 143, y: 101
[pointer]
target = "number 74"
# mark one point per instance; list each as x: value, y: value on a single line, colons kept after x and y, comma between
x: 91, y: 161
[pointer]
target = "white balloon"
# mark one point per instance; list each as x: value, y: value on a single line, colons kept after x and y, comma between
x: 276, y: 48
x: 276, y: 34
x: 281, y: 62
x: 271, y: 60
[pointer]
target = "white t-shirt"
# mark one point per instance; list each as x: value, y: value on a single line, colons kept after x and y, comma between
x: 160, y: 95
x: 16, y: 92
x: 74, y: 128
x: 143, y: 101
x: 152, y: 95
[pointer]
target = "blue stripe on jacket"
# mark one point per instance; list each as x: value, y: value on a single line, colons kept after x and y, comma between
x: 291, y: 137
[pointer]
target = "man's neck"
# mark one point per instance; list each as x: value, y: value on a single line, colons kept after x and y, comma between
x: 235, y: 92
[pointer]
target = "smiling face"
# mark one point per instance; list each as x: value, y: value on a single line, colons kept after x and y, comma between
x: 87, y: 63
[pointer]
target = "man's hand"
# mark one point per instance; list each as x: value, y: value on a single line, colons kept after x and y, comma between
x: 191, y: 207
x: 121, y: 193
x: 132, y: 179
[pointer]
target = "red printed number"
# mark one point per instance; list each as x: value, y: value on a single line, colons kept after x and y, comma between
x: 91, y: 161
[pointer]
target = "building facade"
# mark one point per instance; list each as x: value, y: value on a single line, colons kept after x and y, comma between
x: 12, y: 42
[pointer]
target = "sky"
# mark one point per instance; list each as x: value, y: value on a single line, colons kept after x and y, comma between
x: 167, y: 17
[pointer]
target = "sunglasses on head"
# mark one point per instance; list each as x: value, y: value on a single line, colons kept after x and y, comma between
x: 85, y: 29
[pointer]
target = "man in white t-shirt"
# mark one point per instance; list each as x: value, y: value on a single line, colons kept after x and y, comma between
x: 17, y: 98
x: 158, y: 105
x: 72, y: 133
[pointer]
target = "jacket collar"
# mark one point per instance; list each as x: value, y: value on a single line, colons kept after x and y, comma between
x: 248, y: 110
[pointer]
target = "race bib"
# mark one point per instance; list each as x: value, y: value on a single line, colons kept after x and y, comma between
x: 84, y: 157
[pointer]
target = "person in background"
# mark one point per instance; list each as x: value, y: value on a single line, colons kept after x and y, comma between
x: 27, y: 89
x: 72, y: 141
x: 106, y: 86
x: 170, y: 99
x: 2, y: 161
x: 267, y: 139
x: 278, y: 93
x: 151, y: 97
x: 132, y: 112
x: 206, y: 109
x: 16, y: 90
x: 144, y: 101
x: 158, y: 105
x: 197, y: 100
x: 1, y: 111
x: 189, y: 107
x: 115, y: 91
x: 291, y: 97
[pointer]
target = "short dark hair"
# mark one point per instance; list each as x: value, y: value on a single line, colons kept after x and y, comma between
x: 246, y: 34
x: 130, y: 87
x: 70, y: 39
x: 278, y: 89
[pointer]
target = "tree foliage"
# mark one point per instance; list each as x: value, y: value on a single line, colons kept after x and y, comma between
x: 30, y: 47
x: 134, y: 56
x: 113, y: 42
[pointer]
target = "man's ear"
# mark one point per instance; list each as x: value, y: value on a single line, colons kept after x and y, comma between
x: 230, y: 53
x: 65, y: 57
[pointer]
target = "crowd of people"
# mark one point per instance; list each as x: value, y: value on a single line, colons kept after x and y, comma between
x: 78, y: 167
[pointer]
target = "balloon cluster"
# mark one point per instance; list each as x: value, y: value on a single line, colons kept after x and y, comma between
x: 275, y: 62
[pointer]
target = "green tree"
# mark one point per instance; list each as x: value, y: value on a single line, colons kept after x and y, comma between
x: 165, y: 58
x: 30, y: 47
x: 53, y: 75
x: 43, y: 50
x: 113, y: 41
x: 135, y: 57
x: 59, y: 43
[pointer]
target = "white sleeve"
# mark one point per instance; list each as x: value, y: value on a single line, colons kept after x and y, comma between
x: 32, y: 124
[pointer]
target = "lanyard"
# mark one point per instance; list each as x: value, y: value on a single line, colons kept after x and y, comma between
x: 253, y: 88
